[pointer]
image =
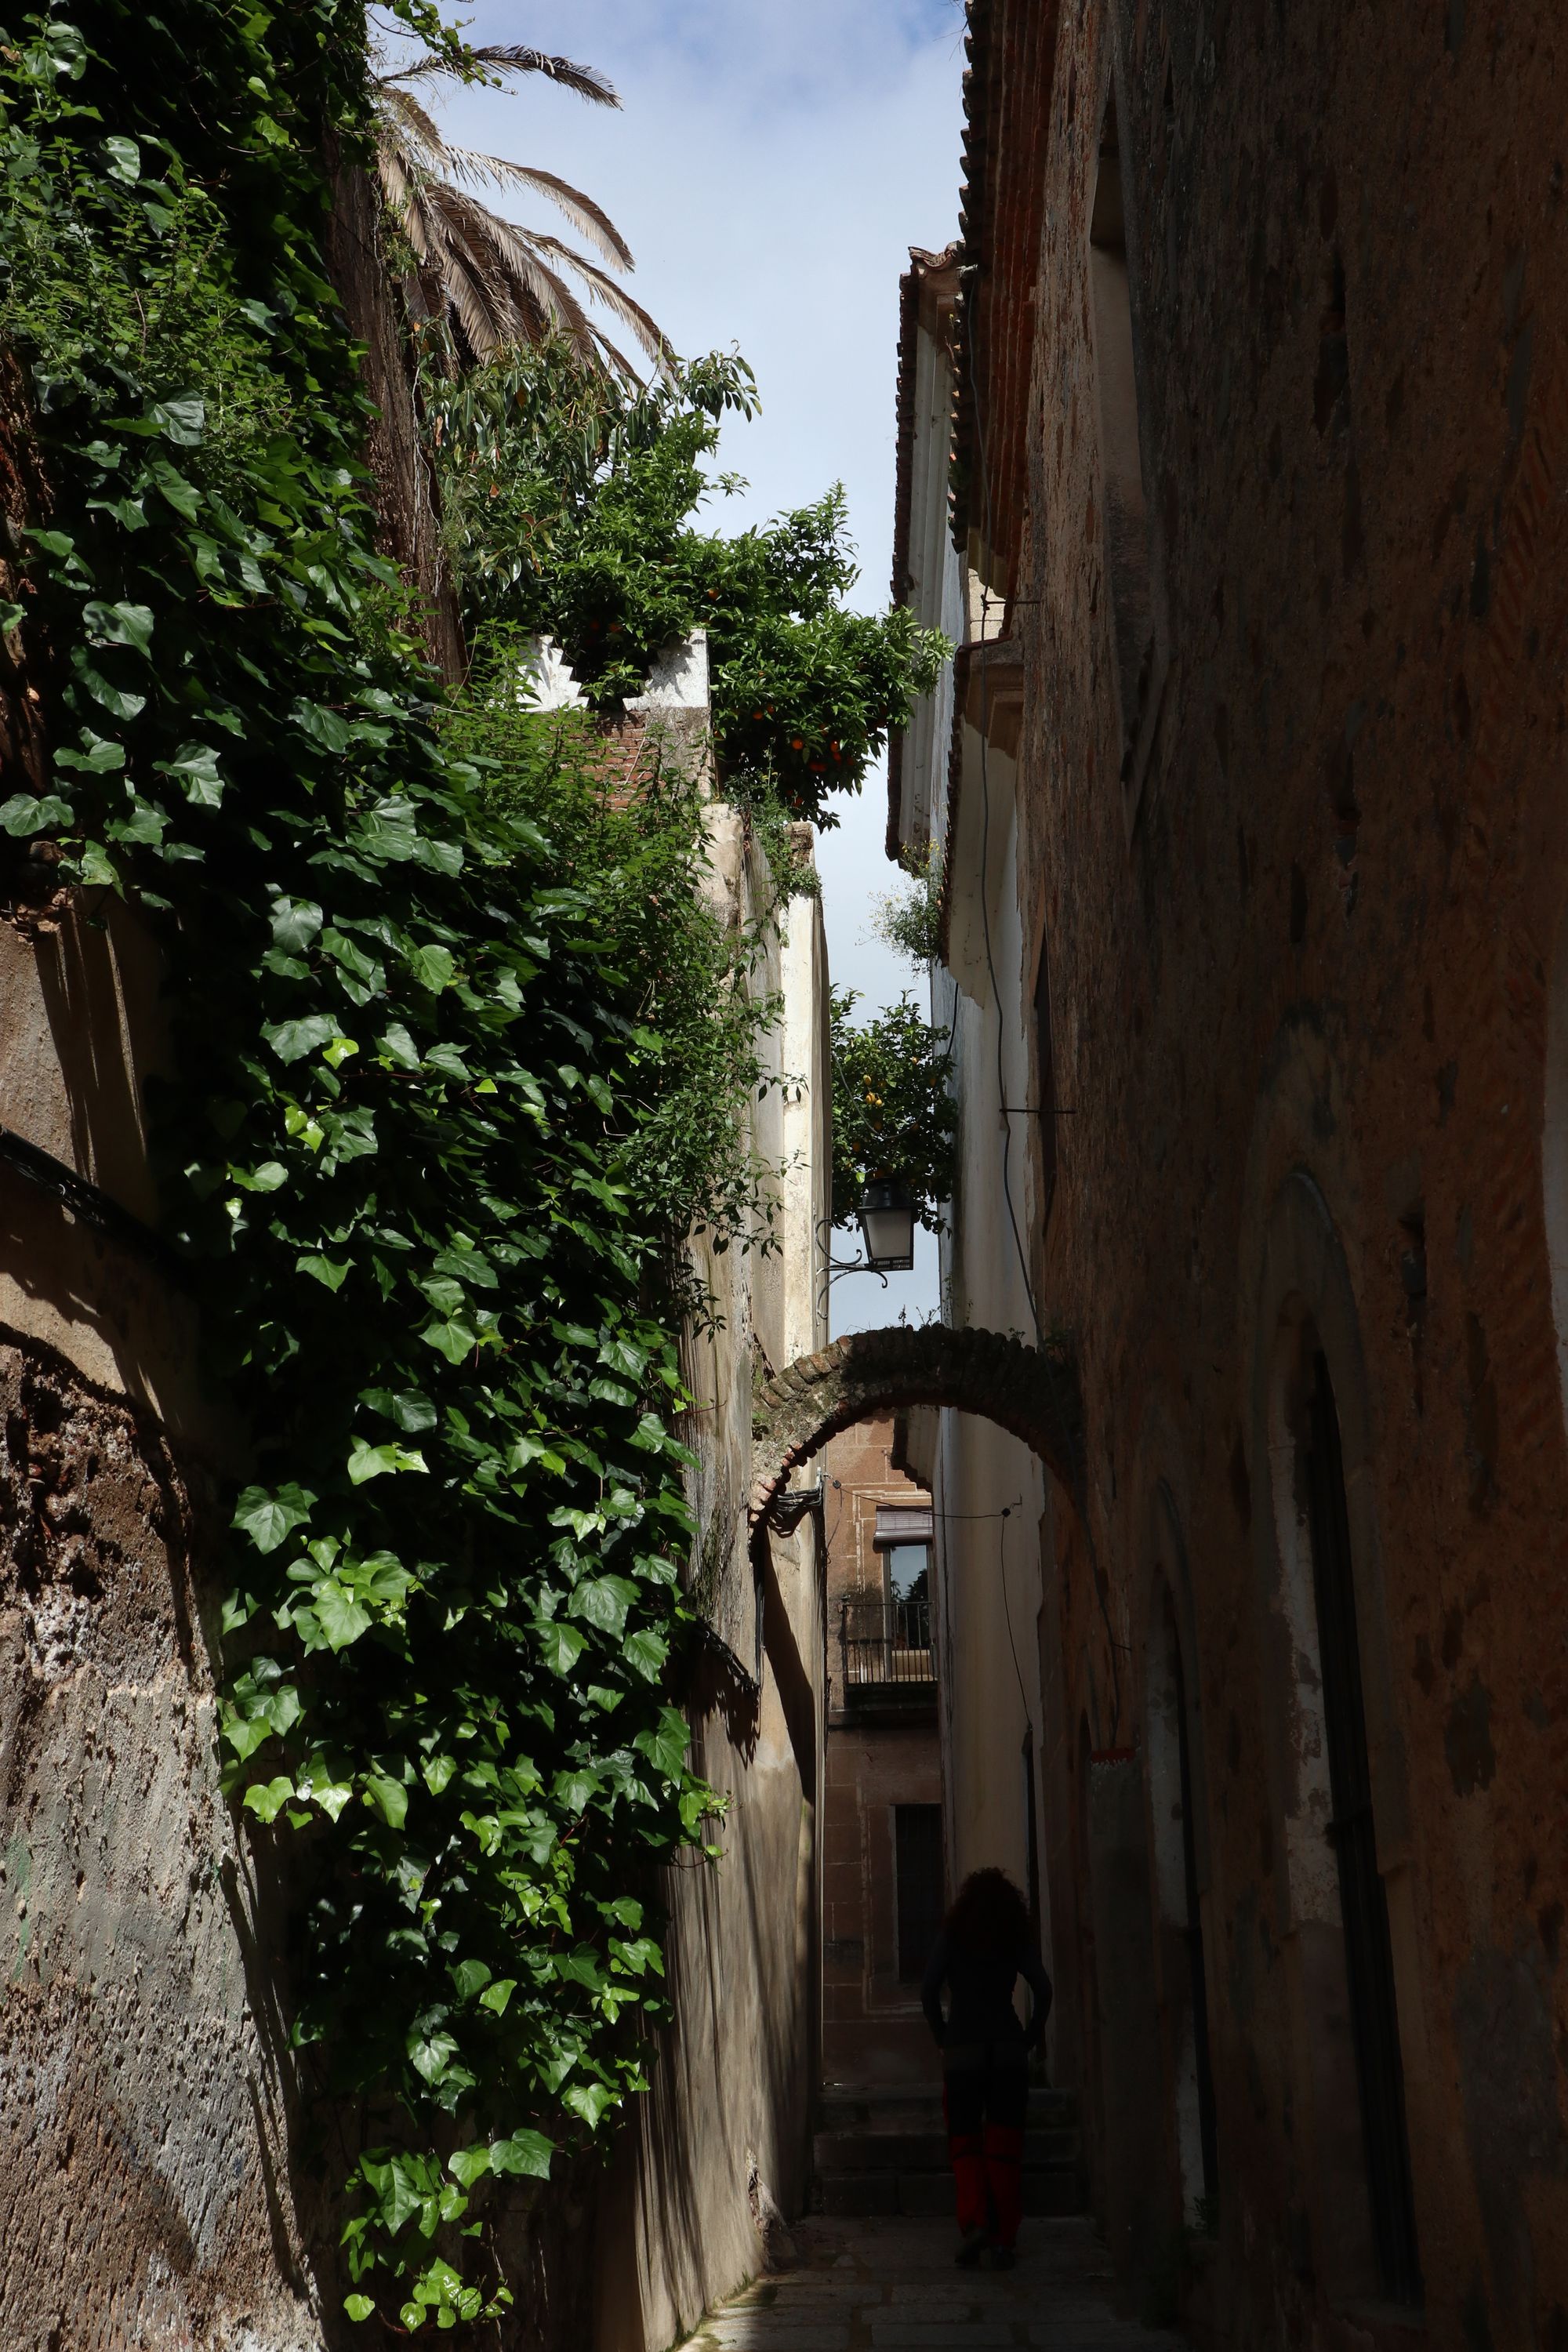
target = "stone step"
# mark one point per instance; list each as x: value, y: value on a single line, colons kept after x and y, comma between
x: 931, y: 2196
x: 883, y: 2150
x: 847, y: 2108
x: 926, y: 2150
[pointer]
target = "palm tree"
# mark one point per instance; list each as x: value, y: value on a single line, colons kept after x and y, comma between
x: 494, y: 282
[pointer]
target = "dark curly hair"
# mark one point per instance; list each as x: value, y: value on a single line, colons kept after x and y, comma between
x: 989, y: 1917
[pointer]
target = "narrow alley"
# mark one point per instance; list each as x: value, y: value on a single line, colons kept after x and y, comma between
x: 784, y: 1362
x: 891, y: 2286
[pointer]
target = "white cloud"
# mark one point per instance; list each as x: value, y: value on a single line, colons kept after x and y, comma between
x: 770, y: 168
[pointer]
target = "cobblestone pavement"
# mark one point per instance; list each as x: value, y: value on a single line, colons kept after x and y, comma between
x: 892, y: 2286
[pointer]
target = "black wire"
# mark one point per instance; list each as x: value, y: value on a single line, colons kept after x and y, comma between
x: 1008, y: 1612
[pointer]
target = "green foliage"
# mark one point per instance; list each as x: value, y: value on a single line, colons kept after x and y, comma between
x: 910, y: 919
x: 893, y: 1112
x: 637, y: 864
x: 569, y: 502
x: 440, y: 1043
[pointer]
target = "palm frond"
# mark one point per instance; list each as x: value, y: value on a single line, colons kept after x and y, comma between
x: 521, y: 250
x: 404, y: 120
x: 613, y: 296
x: 500, y: 283
x: 510, y: 58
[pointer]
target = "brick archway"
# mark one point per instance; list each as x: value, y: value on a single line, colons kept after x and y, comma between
x: 1031, y: 1393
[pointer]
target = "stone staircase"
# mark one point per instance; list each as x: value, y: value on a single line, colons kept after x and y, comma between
x: 884, y: 2150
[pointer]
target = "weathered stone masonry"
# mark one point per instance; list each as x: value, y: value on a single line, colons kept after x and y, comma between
x: 1303, y: 926
x: 144, y: 2190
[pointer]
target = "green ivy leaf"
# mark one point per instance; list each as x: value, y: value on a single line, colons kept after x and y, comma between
x: 118, y: 704
x: 358, y: 2306
x: 526, y: 2154
x: 99, y: 756
x: 562, y: 1646
x: 266, y: 1800
x: 185, y: 499
x: 24, y: 814
x: 267, y: 1517
x: 292, y: 1040
x: 431, y: 2053
x: 366, y: 1461
x: 646, y: 1654
x: 182, y: 421
x: 330, y: 1272
x: 195, y: 768
x: 625, y: 1356
x: 666, y: 1747
x: 339, y: 1616
x: 411, y: 1409
x: 588, y: 2100
x: 395, y: 1045
x: 119, y: 624
x: 454, y: 1338
x: 433, y: 967
x: 389, y: 1797
x: 604, y: 1601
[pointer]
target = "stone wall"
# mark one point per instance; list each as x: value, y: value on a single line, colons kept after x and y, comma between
x: 732, y: 2081
x: 1301, y: 968
x: 147, y: 2179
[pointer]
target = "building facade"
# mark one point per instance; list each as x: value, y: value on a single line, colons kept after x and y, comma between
x: 1253, y: 465
x: 986, y: 1578
x: 884, y: 1875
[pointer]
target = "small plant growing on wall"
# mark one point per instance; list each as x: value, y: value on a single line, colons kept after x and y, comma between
x: 908, y: 917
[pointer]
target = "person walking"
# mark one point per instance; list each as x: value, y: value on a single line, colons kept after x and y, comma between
x: 984, y: 1945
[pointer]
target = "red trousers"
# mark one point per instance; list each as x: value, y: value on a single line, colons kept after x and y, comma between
x: 985, y: 2106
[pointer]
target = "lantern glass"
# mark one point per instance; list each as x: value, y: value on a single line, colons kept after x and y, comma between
x: 888, y: 1225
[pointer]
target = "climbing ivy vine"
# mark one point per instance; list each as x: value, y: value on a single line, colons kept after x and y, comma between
x: 443, y: 1106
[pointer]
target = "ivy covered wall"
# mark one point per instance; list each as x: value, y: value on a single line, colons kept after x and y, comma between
x: 451, y: 1047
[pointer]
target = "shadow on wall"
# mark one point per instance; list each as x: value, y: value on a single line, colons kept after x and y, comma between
x: 723, y: 2130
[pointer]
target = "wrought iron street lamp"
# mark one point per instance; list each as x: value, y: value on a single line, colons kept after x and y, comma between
x: 888, y: 1225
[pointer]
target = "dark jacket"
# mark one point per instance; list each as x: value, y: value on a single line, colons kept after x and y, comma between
x: 980, y: 2008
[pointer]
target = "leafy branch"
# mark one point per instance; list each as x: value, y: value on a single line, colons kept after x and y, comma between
x: 893, y: 1113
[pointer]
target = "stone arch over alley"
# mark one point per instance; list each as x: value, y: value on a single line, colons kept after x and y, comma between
x: 1031, y: 1393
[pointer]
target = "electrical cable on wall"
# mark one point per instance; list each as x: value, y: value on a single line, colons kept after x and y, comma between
x: 1008, y: 1612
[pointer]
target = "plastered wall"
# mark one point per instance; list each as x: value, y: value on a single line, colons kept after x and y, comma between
x: 146, y: 2117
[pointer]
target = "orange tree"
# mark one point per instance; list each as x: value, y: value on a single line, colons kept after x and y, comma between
x: 570, y: 503
x: 893, y: 1112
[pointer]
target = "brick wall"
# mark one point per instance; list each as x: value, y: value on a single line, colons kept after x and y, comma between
x: 1302, y: 967
x: 872, y: 2030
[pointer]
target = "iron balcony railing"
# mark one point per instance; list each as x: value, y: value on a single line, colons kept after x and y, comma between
x: 882, y: 1642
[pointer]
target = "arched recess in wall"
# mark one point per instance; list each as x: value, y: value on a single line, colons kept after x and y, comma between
x: 1179, y: 1852
x: 1341, y: 1813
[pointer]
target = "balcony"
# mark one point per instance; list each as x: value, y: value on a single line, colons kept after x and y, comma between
x: 886, y: 1665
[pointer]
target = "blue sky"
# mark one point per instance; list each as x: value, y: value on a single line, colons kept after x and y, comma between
x: 770, y: 168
